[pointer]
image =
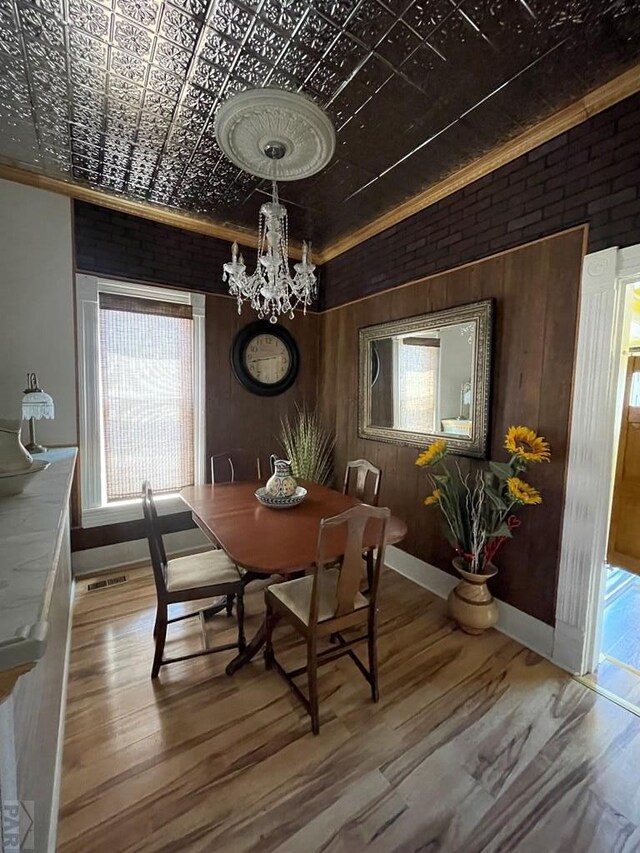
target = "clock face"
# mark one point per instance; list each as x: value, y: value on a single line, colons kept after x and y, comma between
x: 267, y: 359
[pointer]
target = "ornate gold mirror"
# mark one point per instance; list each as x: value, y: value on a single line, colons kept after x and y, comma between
x: 428, y: 377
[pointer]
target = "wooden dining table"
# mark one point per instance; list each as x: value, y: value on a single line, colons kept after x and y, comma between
x: 265, y: 541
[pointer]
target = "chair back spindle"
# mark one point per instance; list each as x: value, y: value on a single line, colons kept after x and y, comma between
x: 235, y: 466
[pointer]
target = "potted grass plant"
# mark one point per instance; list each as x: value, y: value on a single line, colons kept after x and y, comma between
x: 479, y: 511
x: 308, y: 445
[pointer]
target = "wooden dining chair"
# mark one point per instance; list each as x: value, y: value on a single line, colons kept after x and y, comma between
x: 362, y: 480
x: 199, y: 576
x: 323, y: 604
x: 235, y: 466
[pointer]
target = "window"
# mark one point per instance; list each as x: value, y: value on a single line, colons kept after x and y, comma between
x: 634, y: 396
x: 141, y: 374
x: 416, y: 364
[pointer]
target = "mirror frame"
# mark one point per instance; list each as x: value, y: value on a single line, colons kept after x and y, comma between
x: 476, y: 445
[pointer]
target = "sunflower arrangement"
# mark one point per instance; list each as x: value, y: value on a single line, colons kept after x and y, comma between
x: 479, y: 510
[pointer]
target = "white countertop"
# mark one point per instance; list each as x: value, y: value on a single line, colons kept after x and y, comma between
x: 31, y: 534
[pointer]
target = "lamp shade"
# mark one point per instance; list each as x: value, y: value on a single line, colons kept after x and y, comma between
x: 36, y: 403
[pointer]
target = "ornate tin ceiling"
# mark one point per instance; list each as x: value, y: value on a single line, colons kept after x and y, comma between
x: 122, y: 94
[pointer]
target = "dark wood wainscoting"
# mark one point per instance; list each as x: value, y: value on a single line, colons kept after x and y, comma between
x: 236, y: 418
x: 536, y: 290
x: 126, y: 531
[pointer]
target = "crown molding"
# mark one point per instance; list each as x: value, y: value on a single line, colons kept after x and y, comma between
x: 154, y: 213
x: 593, y: 102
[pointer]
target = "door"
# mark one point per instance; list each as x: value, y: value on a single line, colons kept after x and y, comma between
x: 624, y: 532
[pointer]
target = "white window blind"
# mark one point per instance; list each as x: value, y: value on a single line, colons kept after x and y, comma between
x: 146, y: 375
x: 417, y: 383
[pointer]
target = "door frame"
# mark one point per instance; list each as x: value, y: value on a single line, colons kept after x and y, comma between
x: 598, y: 376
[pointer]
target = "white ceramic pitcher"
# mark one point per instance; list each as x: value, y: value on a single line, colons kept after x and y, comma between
x: 281, y: 483
x: 14, y: 456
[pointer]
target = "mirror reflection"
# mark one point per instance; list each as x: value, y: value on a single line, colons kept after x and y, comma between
x: 422, y: 380
x: 428, y: 376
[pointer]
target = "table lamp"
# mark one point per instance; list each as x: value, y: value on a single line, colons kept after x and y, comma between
x: 35, y: 405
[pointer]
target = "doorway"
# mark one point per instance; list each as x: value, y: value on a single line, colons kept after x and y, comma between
x: 617, y: 673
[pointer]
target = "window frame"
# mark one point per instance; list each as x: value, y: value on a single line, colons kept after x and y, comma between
x: 93, y: 511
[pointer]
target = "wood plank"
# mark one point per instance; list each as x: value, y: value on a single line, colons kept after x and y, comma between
x: 535, y: 288
x: 264, y: 540
x: 471, y: 747
x: 236, y: 418
x: 623, y: 549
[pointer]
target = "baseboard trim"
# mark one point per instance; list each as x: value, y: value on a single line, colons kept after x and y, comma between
x: 531, y: 632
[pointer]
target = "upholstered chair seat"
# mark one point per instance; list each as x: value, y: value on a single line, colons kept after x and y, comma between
x: 322, y: 605
x: 208, y: 569
x: 295, y: 595
x: 193, y: 578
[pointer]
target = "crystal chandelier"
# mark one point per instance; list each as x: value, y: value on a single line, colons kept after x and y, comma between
x: 278, y: 136
x: 271, y: 289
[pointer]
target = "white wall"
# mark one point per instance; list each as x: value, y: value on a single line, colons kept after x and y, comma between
x: 36, y: 305
x: 455, y: 368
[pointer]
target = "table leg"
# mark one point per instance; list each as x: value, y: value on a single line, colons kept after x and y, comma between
x: 212, y: 611
x: 253, y: 647
x: 259, y: 638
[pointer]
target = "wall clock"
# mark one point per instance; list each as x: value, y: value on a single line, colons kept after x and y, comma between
x: 265, y: 358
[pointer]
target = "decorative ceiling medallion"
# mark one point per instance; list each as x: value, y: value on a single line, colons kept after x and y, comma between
x: 251, y: 124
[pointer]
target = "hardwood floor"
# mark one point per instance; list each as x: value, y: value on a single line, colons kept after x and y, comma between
x: 476, y: 744
x: 621, y: 625
x: 617, y: 676
x: 616, y: 681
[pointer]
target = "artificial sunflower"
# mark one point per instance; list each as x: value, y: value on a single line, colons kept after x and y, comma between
x: 433, y: 498
x: 433, y: 454
x: 522, y: 492
x: 527, y: 444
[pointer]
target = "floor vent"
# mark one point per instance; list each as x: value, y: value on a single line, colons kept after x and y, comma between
x: 105, y: 583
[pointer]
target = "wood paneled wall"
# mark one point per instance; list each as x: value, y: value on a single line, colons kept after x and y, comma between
x: 536, y: 289
x: 236, y: 418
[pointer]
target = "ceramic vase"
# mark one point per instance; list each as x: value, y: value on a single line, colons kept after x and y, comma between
x: 281, y: 483
x: 14, y: 457
x: 470, y: 602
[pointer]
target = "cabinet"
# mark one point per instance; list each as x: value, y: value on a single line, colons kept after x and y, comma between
x: 35, y: 621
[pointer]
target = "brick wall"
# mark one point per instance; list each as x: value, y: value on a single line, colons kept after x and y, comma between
x: 122, y: 246
x: 118, y: 245
x: 588, y: 174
